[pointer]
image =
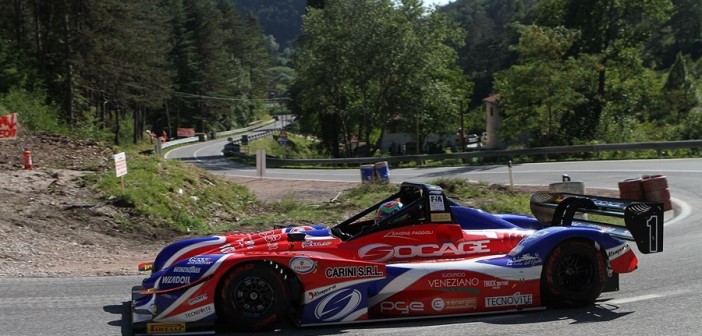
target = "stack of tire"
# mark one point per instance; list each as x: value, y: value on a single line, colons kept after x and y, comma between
x: 652, y: 188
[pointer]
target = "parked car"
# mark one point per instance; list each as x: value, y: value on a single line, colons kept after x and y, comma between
x: 473, y: 138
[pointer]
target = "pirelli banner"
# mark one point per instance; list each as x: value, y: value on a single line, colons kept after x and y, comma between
x: 8, y: 127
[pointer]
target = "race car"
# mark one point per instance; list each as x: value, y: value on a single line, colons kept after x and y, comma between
x: 421, y: 255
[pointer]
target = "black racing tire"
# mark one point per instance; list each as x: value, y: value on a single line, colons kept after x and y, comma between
x: 252, y: 297
x: 574, y: 275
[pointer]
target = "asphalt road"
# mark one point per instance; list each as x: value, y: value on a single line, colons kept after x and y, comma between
x: 661, y: 298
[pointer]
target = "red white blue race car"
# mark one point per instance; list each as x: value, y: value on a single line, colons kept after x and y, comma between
x: 431, y: 258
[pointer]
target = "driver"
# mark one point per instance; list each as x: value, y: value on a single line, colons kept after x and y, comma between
x: 386, y: 210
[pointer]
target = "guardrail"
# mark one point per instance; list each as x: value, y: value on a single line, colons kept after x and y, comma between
x: 662, y: 145
x: 217, y: 135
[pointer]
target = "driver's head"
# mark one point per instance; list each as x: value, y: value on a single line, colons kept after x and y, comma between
x: 386, y: 210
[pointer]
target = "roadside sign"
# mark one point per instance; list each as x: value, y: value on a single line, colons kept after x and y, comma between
x: 120, y: 164
x: 8, y: 127
x: 185, y: 132
x: 283, y: 134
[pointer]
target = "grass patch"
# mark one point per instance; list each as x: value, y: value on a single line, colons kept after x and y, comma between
x: 181, y: 196
x: 492, y: 198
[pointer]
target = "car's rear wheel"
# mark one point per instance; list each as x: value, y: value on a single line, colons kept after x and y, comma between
x: 252, y: 297
x: 574, y: 275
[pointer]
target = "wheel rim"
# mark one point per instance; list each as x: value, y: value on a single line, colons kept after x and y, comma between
x: 253, y: 296
x: 575, y: 273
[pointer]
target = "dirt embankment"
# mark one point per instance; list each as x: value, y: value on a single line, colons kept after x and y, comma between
x: 52, y: 224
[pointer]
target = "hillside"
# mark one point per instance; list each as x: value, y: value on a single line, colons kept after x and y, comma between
x: 54, y: 224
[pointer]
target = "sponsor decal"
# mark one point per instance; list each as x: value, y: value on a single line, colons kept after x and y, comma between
x: 175, y: 279
x: 609, y: 204
x: 302, y: 265
x: 338, y: 305
x: 246, y: 242
x: 401, y: 307
x: 353, y: 272
x: 408, y: 234
x: 197, y: 299
x: 453, y: 282
x: 271, y: 238
x: 272, y: 246
x: 616, y: 251
x: 204, y: 311
x: 383, y: 252
x: 441, y: 217
x: 319, y: 292
x: 227, y: 248
x: 162, y: 328
x: 312, y: 243
x: 298, y: 229
x: 495, y: 284
x: 516, y: 299
x: 189, y: 269
x: 200, y: 261
x: 526, y: 260
x: 440, y: 304
x: 436, y: 203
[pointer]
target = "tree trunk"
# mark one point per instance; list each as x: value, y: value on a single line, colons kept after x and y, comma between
x: 68, y: 68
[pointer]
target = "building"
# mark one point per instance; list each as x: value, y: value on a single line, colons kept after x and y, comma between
x: 492, y: 122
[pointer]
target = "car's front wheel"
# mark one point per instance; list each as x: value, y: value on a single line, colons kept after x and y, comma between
x: 574, y: 275
x: 252, y: 297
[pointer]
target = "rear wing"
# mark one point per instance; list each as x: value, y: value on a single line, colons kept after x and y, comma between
x: 643, y: 221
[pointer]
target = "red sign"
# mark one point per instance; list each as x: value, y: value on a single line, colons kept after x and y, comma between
x: 185, y: 132
x: 8, y: 127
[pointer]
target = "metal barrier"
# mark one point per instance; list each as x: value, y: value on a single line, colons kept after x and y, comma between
x: 663, y: 145
x: 217, y: 135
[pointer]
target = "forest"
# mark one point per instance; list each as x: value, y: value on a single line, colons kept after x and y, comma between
x: 567, y: 72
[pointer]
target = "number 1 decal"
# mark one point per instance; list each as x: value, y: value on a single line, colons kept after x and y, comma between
x: 652, y: 225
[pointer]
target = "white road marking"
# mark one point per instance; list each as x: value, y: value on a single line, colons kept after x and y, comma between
x: 645, y: 297
x: 633, y: 299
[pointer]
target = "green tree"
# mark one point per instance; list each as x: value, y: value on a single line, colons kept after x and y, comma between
x: 368, y: 65
x: 542, y: 89
x: 679, y: 89
x: 613, y: 31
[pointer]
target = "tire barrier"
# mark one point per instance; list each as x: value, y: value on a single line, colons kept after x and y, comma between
x: 655, y: 189
x: 375, y: 172
x: 367, y: 173
x: 652, y: 188
x: 631, y: 189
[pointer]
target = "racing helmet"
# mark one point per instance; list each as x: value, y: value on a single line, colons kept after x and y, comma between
x: 386, y: 210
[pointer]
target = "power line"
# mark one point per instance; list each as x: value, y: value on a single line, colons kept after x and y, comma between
x: 190, y: 95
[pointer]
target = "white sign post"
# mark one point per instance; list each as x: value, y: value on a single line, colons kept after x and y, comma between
x: 260, y: 162
x: 121, y: 166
